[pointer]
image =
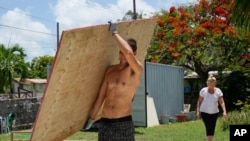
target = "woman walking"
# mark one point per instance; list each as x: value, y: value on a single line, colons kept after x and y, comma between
x: 207, y: 106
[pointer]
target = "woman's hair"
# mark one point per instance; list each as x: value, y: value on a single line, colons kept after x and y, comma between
x: 211, y: 78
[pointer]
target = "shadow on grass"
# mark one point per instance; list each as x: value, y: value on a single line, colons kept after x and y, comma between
x: 139, y: 133
x: 96, y: 130
x: 90, y: 130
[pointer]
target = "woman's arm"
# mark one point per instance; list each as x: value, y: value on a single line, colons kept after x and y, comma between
x: 199, y: 101
x: 222, y: 104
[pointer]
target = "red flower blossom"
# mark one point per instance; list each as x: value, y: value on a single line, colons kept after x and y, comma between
x: 181, y: 9
x: 196, y: 18
x: 183, y: 15
x: 176, y: 55
x: 160, y: 22
x: 207, y: 25
x: 172, y: 9
x: 171, y: 19
x: 185, y: 30
x: 160, y: 35
x: 204, y: 4
x: 175, y: 24
x: 171, y: 47
x: 183, y: 23
x: 229, y: 30
x: 220, y: 23
x: 246, y: 56
x: 161, y: 45
x: 200, y: 32
x: 197, y: 9
x: 217, y: 30
x: 220, y: 11
x: 154, y: 60
x: 176, y: 31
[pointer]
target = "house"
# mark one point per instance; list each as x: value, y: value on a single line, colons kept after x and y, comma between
x: 29, y: 87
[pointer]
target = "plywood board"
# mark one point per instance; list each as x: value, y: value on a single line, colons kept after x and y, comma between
x: 78, y: 69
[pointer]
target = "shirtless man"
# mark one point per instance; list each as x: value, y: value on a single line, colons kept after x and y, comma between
x: 117, y: 92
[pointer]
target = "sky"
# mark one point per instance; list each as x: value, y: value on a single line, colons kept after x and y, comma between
x: 32, y: 24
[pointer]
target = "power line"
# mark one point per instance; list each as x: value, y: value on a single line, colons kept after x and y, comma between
x: 26, y: 43
x: 39, y: 48
x: 77, y: 1
x: 7, y: 9
x: 28, y: 30
x: 88, y: 4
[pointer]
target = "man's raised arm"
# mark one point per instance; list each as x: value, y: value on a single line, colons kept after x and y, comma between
x: 126, y: 49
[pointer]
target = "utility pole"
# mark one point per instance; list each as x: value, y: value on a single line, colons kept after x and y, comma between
x: 134, y: 16
x: 57, y: 29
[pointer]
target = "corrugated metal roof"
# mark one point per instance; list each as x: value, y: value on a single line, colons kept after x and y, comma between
x: 31, y: 81
x: 215, y: 73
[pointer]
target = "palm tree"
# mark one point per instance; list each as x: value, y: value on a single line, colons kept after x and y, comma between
x: 12, y: 65
x: 241, y: 14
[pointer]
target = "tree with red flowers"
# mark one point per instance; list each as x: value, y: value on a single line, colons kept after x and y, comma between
x: 198, y: 37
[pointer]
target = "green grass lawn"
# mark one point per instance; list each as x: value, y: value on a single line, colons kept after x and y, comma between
x: 184, y: 131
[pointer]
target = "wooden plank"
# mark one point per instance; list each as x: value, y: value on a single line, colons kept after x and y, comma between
x: 80, y: 63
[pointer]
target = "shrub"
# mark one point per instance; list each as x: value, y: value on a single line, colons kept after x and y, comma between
x: 245, y: 106
x: 235, y: 118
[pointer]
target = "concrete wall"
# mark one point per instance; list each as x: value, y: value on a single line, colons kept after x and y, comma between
x: 25, y: 111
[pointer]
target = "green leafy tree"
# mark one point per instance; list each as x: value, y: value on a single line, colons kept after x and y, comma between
x: 198, y: 37
x: 241, y: 19
x: 236, y: 90
x: 241, y: 14
x: 129, y: 15
x: 12, y: 64
x: 38, y: 66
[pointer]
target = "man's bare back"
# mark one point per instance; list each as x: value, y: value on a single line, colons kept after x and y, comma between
x: 122, y: 83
